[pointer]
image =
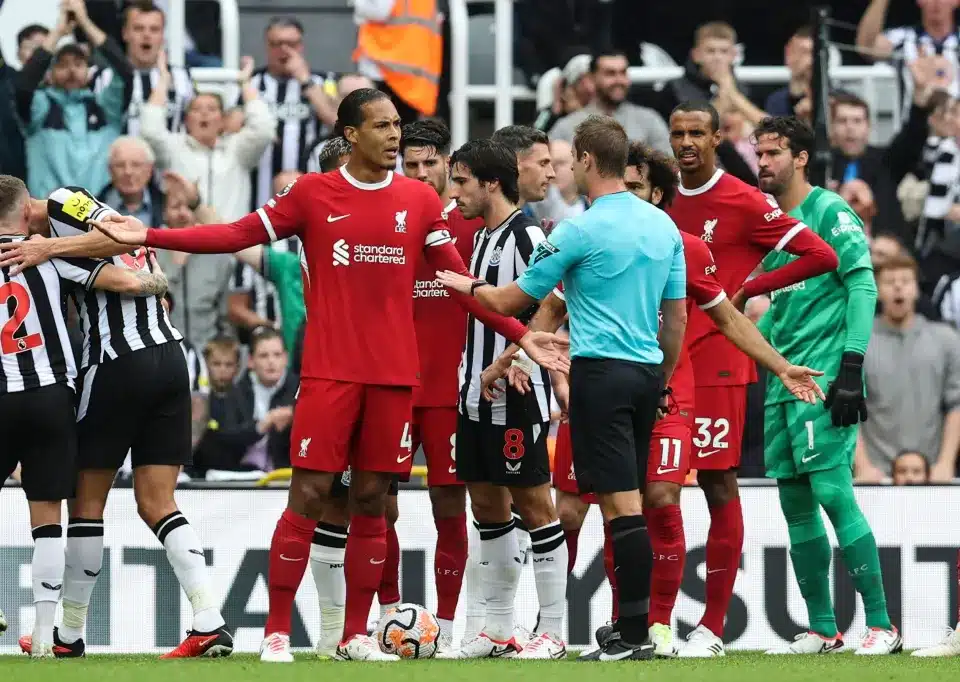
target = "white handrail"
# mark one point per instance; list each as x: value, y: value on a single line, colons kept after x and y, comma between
x: 229, y: 32
x: 459, y: 72
x: 503, y: 65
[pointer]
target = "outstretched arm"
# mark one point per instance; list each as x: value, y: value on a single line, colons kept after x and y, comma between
x: 814, y: 255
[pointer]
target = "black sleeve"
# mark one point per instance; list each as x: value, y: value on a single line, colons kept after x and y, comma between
x: 29, y: 79
x: 906, y: 149
x: 734, y: 164
x: 237, y: 431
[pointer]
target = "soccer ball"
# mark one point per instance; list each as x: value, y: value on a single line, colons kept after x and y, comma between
x: 408, y: 631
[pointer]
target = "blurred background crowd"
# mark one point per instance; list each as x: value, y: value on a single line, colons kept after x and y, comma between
x: 89, y: 97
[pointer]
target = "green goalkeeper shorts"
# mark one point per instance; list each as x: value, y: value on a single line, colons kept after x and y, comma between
x: 800, y: 438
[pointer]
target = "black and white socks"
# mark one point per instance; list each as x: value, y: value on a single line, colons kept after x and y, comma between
x: 327, y: 555
x: 48, y: 566
x: 84, y: 560
x: 501, y: 563
x: 550, y: 572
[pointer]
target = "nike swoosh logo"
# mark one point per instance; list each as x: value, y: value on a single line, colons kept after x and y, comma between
x: 333, y: 219
x: 452, y: 470
x: 701, y: 454
x: 619, y: 656
x: 286, y: 558
x: 806, y: 459
x: 401, y: 460
x: 714, y: 570
x: 500, y: 651
x: 377, y: 562
x: 661, y: 470
x: 196, y: 551
x: 92, y: 574
x: 204, y: 642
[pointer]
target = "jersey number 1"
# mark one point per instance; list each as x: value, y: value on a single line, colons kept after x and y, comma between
x: 9, y: 343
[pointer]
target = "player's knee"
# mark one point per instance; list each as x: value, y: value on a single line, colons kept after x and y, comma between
x: 661, y: 494
x: 448, y: 501
x: 490, y: 504
x: 571, y: 511
x: 46, y: 513
x: 719, y: 487
x: 310, y: 493
x: 535, y: 505
x: 831, y: 497
x: 368, y: 493
x: 392, y: 510
x: 336, y: 511
x: 153, y: 508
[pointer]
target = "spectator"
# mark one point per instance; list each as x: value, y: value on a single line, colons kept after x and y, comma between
x: 28, y: 40
x: 736, y: 131
x: 298, y: 98
x: 12, y: 157
x: 219, y: 164
x: 68, y: 128
x: 572, y: 92
x: 912, y: 378
x: 798, y: 57
x: 936, y: 36
x: 329, y: 155
x: 200, y: 282
x: 400, y: 47
x: 346, y: 84
x: 143, y: 33
x: 910, y: 468
x: 222, y: 356
x: 883, y: 249
x: 255, y: 429
x: 132, y: 190
x: 199, y: 380
x: 609, y: 72
x: 563, y: 200
x: 852, y: 159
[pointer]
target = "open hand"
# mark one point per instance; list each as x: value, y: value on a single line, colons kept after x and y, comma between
x: 18, y: 256
x: 547, y: 350
x: 452, y: 280
x: 799, y: 381
x: 123, y: 229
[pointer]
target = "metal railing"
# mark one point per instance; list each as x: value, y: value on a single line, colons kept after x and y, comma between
x: 503, y: 93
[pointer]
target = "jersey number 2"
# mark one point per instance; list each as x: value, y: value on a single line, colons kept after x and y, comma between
x: 9, y: 343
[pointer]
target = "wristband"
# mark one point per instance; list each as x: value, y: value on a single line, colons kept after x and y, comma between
x: 476, y: 285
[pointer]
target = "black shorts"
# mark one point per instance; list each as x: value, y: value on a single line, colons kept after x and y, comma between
x: 513, y: 455
x: 139, y: 402
x: 613, y: 405
x: 341, y: 485
x: 39, y: 430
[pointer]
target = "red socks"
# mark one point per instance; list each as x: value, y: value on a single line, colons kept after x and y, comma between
x: 363, y: 568
x: 572, y: 536
x: 389, y: 590
x: 669, y: 555
x: 289, y: 557
x: 608, y: 566
x: 449, y: 563
x: 724, y: 546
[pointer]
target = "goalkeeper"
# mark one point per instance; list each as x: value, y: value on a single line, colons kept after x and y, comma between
x: 823, y: 322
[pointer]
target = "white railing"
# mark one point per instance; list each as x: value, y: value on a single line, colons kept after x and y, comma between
x: 504, y: 93
x: 229, y: 30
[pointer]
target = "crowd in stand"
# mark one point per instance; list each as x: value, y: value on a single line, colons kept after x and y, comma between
x: 108, y: 113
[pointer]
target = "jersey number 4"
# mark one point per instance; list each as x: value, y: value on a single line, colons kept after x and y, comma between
x: 10, y: 343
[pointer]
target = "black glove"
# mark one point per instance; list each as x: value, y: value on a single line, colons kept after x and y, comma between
x: 845, y: 398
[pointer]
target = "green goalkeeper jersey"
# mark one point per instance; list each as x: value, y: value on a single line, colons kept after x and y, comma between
x: 807, y: 322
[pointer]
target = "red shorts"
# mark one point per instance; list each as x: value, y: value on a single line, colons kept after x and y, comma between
x: 436, y: 429
x: 718, y: 427
x: 670, y: 445
x: 338, y: 424
x: 564, y: 477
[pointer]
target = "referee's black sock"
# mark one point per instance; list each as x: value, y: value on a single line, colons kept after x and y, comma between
x: 633, y: 563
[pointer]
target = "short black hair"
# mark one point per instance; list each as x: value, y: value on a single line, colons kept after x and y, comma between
x: 490, y: 160
x: 350, y: 111
x: 703, y: 106
x: 428, y: 132
x: 908, y: 451
x: 331, y: 152
x: 71, y: 50
x: 283, y: 21
x: 661, y: 170
x: 840, y: 98
x: 519, y: 139
x: 29, y: 30
x: 605, y: 52
x: 262, y: 334
x: 798, y: 134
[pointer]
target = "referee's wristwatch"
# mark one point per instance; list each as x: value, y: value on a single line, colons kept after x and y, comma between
x: 477, y: 283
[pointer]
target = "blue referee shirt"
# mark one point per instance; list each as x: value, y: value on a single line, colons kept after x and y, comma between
x: 617, y: 260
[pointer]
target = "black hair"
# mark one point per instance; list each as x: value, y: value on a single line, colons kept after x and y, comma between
x: 798, y: 134
x: 490, y: 161
x: 703, y: 106
x: 284, y: 21
x: 908, y: 451
x: 29, y: 30
x: 350, y: 111
x: 661, y: 170
x: 262, y: 334
x: 605, y: 52
x: 331, y: 152
x: 429, y: 132
x: 519, y: 139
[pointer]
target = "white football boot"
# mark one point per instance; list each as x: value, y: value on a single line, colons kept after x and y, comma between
x: 701, y: 643
x: 664, y: 645
x: 363, y: 648
x: 275, y: 648
x: 482, y: 646
x: 809, y: 643
x: 3, y: 623
x: 544, y: 647
x: 949, y: 646
x: 877, y: 642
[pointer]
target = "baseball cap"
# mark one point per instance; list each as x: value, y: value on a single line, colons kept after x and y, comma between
x: 576, y: 68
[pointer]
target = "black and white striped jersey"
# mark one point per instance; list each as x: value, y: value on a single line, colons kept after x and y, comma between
x: 178, y: 97
x: 112, y: 324
x: 907, y: 41
x: 500, y: 256
x: 197, y: 368
x: 264, y: 300
x: 297, y: 129
x: 35, y: 348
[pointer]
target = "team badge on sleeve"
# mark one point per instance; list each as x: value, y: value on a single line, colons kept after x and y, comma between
x: 544, y: 249
x: 286, y: 190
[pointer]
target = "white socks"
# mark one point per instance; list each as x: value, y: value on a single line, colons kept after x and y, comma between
x: 185, y: 554
x: 550, y: 571
x: 501, y: 565
x: 475, y: 604
x: 48, y: 563
x: 84, y: 559
x: 327, y: 555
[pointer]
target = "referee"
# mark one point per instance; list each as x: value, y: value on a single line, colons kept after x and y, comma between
x: 621, y: 263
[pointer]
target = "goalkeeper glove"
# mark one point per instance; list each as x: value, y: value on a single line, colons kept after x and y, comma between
x: 845, y: 398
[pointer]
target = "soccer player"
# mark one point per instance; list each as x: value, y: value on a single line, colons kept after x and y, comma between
x: 363, y: 229
x: 441, y: 331
x: 808, y: 450
x: 501, y: 444
x: 37, y: 377
x: 740, y: 226
x: 335, y: 153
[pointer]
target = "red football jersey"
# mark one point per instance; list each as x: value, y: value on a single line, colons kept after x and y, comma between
x: 740, y: 225
x: 441, y: 323
x: 703, y: 292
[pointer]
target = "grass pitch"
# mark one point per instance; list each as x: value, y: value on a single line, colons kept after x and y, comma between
x: 738, y: 667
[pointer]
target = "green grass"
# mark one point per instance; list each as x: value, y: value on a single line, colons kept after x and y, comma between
x: 739, y: 667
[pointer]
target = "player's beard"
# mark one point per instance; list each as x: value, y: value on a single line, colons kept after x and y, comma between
x: 776, y: 184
